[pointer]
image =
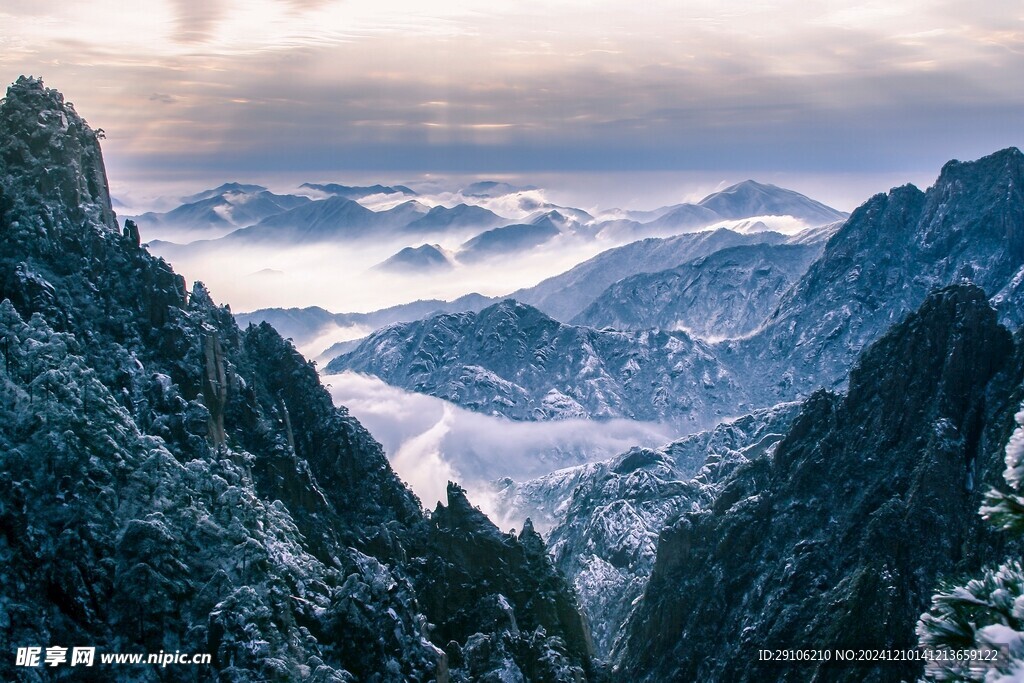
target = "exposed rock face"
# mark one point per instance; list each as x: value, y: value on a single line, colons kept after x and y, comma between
x: 838, y: 539
x: 883, y: 262
x: 605, y: 517
x: 50, y: 152
x: 171, y: 482
x: 483, y: 580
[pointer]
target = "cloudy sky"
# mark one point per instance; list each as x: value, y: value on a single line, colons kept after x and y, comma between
x: 388, y: 89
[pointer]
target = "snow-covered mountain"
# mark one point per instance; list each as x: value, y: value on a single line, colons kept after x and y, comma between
x: 726, y: 294
x: 426, y: 258
x: 328, y: 220
x: 223, y: 209
x: 684, y: 218
x: 604, y: 518
x: 562, y: 219
x: 747, y: 199
x: 564, y: 296
x: 513, y: 360
x: 339, y: 220
x: 226, y: 188
x: 458, y: 217
x: 751, y: 198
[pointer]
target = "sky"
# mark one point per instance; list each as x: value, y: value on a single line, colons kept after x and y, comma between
x: 615, y: 100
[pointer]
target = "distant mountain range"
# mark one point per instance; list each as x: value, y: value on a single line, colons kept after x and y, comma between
x: 564, y: 296
x: 460, y: 216
x: 871, y: 273
x: 744, y: 200
x: 235, y: 215
x: 227, y: 207
x: 357, y: 192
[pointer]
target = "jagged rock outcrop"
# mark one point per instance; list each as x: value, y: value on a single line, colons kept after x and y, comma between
x: 484, y: 581
x: 838, y: 539
x: 881, y: 265
x: 49, y: 151
x: 171, y: 482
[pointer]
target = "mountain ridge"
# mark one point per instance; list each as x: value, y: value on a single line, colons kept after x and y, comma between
x: 874, y: 271
x: 894, y: 466
x: 179, y: 484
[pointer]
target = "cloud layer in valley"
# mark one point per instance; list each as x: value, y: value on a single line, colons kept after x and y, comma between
x: 430, y: 441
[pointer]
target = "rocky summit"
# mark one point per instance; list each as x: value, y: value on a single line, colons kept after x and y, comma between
x: 170, y: 482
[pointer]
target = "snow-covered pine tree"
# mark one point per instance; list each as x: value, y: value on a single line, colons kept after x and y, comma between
x: 988, y: 611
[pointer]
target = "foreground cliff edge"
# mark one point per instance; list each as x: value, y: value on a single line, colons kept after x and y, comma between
x: 169, y: 482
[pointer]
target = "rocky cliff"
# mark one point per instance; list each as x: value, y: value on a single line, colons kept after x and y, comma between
x: 839, y: 539
x: 171, y: 482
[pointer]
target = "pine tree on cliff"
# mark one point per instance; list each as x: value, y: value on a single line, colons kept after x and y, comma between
x: 987, y: 613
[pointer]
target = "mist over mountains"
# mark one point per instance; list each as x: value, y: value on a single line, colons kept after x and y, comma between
x: 365, y: 227
x: 835, y: 404
x: 871, y: 273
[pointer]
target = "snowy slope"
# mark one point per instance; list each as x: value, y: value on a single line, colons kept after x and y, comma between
x: 513, y: 360
x: 564, y: 296
x: 726, y: 294
x: 751, y: 198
